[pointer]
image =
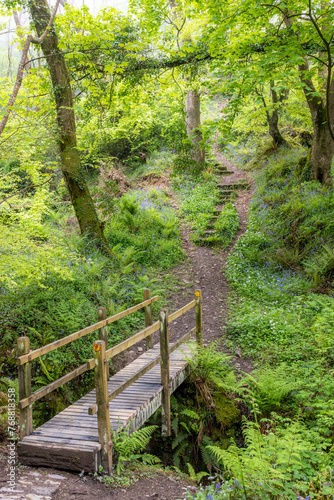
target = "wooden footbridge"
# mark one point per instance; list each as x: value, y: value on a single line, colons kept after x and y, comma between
x: 80, y: 437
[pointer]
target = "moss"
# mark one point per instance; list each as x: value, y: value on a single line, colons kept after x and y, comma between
x: 303, y: 170
x: 226, y: 411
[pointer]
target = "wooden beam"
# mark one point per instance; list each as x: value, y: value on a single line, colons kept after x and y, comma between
x: 182, y: 340
x: 132, y: 340
x: 103, y: 332
x: 139, y: 373
x: 148, y: 318
x: 23, y: 347
x: 199, y: 318
x: 181, y: 311
x: 24, y: 402
x: 165, y: 374
x: 103, y: 418
x: 21, y: 360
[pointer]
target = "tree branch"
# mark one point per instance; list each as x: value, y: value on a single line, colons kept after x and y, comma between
x: 19, y: 77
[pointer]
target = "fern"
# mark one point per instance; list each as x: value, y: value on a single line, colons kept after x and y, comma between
x: 178, y: 439
x: 267, y: 387
x: 127, y: 447
x: 179, y: 452
x: 271, y: 461
x: 196, y: 477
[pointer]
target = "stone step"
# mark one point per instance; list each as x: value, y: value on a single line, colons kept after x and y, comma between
x: 205, y: 241
x: 209, y: 231
x: 239, y: 185
x: 226, y: 172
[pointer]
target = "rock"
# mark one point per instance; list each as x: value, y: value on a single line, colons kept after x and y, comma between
x: 140, y: 349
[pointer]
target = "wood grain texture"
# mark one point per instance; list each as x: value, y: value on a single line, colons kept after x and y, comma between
x: 70, y: 439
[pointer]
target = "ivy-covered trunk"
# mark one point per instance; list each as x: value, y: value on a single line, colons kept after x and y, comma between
x: 193, y: 122
x: 70, y: 159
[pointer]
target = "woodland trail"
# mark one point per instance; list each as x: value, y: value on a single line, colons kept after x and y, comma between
x: 202, y: 269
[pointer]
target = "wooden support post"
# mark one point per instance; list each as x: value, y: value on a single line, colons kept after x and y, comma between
x: 199, y: 319
x: 148, y: 318
x: 165, y: 376
x: 103, y: 419
x: 103, y: 332
x: 23, y: 347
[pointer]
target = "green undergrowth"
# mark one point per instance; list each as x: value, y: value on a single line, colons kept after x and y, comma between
x: 226, y: 226
x: 144, y: 235
x: 155, y: 165
x: 279, y: 320
x: 199, y: 196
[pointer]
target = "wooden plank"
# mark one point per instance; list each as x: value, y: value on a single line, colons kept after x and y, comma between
x: 103, y: 332
x: 165, y: 375
x: 61, y: 457
x: 132, y: 340
x: 93, y: 409
x: 103, y: 418
x: 54, y: 385
x: 181, y: 311
x: 81, y: 333
x: 148, y: 319
x: 26, y: 426
x: 74, y: 428
x: 181, y: 341
x: 199, y: 318
x: 62, y: 441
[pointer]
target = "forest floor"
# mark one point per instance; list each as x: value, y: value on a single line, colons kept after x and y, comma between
x: 203, y: 269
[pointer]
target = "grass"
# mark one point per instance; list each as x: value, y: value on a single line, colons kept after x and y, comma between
x: 280, y: 320
x: 199, y: 196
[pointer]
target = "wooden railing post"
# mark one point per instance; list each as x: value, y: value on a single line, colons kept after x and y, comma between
x: 199, y: 319
x: 103, y: 419
x: 103, y: 332
x: 23, y: 347
x: 165, y: 376
x: 148, y: 318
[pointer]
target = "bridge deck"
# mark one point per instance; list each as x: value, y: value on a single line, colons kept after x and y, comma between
x: 70, y: 439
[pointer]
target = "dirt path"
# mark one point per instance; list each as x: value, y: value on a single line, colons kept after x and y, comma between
x: 203, y: 269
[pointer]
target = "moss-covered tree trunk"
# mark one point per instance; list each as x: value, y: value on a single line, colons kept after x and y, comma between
x: 322, y: 150
x: 272, y: 116
x: 322, y: 113
x: 70, y: 159
x: 193, y: 122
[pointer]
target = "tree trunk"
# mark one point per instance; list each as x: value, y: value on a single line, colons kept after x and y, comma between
x: 274, y: 130
x: 193, y: 122
x: 70, y: 159
x: 322, y: 150
x: 18, y: 25
x: 272, y: 119
x: 322, y: 113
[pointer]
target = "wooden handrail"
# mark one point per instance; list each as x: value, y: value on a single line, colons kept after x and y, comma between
x: 21, y: 360
x: 123, y: 346
x: 25, y: 356
x: 181, y: 311
x: 92, y: 410
x: 89, y: 365
x: 145, y: 333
